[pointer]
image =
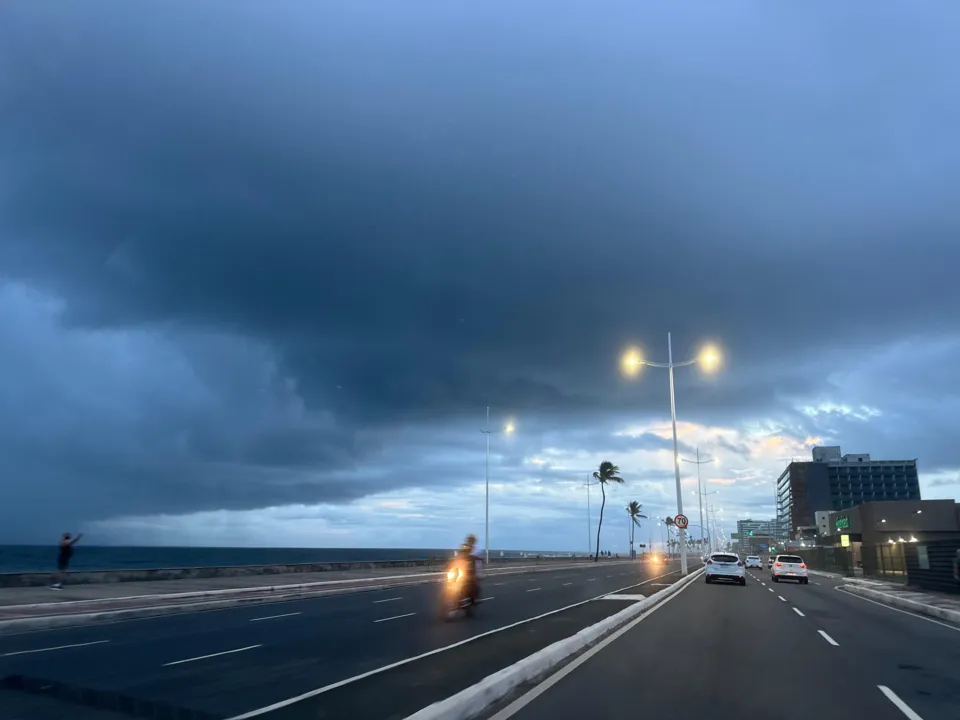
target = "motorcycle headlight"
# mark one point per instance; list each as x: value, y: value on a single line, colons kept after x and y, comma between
x: 451, y: 575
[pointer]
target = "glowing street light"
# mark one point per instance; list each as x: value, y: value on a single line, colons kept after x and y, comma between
x: 507, y: 429
x: 709, y: 360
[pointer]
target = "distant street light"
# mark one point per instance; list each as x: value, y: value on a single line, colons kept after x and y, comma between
x: 508, y: 429
x: 698, y: 462
x: 709, y: 360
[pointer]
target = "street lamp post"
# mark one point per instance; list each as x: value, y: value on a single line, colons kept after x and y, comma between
x: 589, y: 520
x: 508, y: 428
x: 709, y: 532
x: 710, y: 359
x: 698, y: 462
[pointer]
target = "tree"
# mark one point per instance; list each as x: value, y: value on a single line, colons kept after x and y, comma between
x: 635, y: 511
x: 608, y: 473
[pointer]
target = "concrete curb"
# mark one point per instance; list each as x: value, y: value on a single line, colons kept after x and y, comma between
x: 280, y: 593
x: 820, y: 573
x: 950, y: 616
x: 474, y: 701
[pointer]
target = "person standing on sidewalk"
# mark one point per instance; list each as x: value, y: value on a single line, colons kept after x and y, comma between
x: 63, y: 559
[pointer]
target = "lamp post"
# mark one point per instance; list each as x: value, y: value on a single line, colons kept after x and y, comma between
x: 508, y: 428
x: 709, y: 359
x: 709, y: 532
x: 698, y: 462
x: 589, y: 520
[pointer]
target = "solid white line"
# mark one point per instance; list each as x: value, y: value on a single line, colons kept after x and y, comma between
x: 395, y: 617
x: 58, y: 647
x: 799, y: 613
x: 272, y: 617
x: 533, y: 589
x: 204, y: 657
x: 905, y: 612
x: 387, y: 600
x: 901, y: 705
x: 829, y: 639
x: 429, y: 653
x: 782, y: 597
x: 524, y: 700
x: 565, y: 584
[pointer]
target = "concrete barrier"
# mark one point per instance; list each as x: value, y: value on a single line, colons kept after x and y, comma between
x: 475, y: 700
x: 83, y: 577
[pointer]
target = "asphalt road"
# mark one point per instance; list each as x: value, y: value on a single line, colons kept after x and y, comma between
x: 232, y: 661
x: 784, y: 650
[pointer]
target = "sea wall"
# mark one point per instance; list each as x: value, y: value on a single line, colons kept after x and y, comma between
x: 148, y: 574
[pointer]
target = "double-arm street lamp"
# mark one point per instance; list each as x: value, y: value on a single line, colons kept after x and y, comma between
x: 709, y: 360
x: 506, y: 429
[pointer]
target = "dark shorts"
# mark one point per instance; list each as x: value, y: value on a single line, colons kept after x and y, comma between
x: 63, y: 564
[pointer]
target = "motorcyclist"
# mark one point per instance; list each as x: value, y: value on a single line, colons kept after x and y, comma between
x: 471, y: 564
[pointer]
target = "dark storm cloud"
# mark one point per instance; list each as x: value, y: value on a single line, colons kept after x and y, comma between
x: 422, y: 210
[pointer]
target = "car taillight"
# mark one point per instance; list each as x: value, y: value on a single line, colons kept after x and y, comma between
x: 709, y: 562
x: 803, y: 566
x: 778, y: 564
x: 739, y: 564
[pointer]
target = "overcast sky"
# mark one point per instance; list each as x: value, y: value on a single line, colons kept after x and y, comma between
x: 263, y: 265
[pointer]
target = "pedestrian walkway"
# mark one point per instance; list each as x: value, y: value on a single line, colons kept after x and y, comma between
x: 931, y: 603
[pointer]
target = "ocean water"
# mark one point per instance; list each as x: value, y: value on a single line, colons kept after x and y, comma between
x: 42, y: 558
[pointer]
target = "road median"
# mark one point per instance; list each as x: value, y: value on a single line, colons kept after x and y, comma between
x: 474, y: 701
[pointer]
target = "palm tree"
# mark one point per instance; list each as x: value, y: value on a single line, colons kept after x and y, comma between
x: 635, y: 511
x: 608, y: 473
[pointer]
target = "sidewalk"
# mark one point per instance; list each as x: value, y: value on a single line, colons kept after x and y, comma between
x: 27, y: 608
x: 942, y: 606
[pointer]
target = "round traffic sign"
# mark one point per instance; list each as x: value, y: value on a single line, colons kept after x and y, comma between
x: 681, y: 521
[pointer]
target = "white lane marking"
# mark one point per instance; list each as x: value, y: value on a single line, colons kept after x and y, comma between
x: 631, y: 598
x: 816, y: 583
x: 204, y: 657
x: 905, y: 612
x: 395, y: 617
x: 901, y: 705
x: 829, y: 639
x: 273, y: 617
x: 782, y: 597
x: 764, y: 584
x: 524, y: 700
x: 533, y: 589
x: 799, y: 613
x: 437, y: 651
x: 492, y: 597
x: 375, y: 602
x: 770, y: 589
x: 591, y: 579
x: 565, y: 584
x: 609, y: 576
x: 496, y: 584
x: 58, y: 647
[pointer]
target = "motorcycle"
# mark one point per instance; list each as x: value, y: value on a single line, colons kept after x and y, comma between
x: 456, y: 596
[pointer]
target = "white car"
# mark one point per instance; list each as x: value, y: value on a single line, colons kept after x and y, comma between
x: 789, y: 567
x: 725, y: 566
x: 753, y: 561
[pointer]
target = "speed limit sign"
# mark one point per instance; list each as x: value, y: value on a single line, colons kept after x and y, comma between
x: 681, y: 521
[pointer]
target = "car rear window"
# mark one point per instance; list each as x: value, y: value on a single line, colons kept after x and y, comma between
x: 725, y: 558
x: 790, y: 559
x: 752, y: 557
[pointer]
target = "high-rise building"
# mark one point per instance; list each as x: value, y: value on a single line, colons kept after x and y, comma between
x: 755, y: 536
x: 831, y: 481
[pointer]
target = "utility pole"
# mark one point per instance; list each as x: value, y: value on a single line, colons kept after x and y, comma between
x: 698, y: 462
